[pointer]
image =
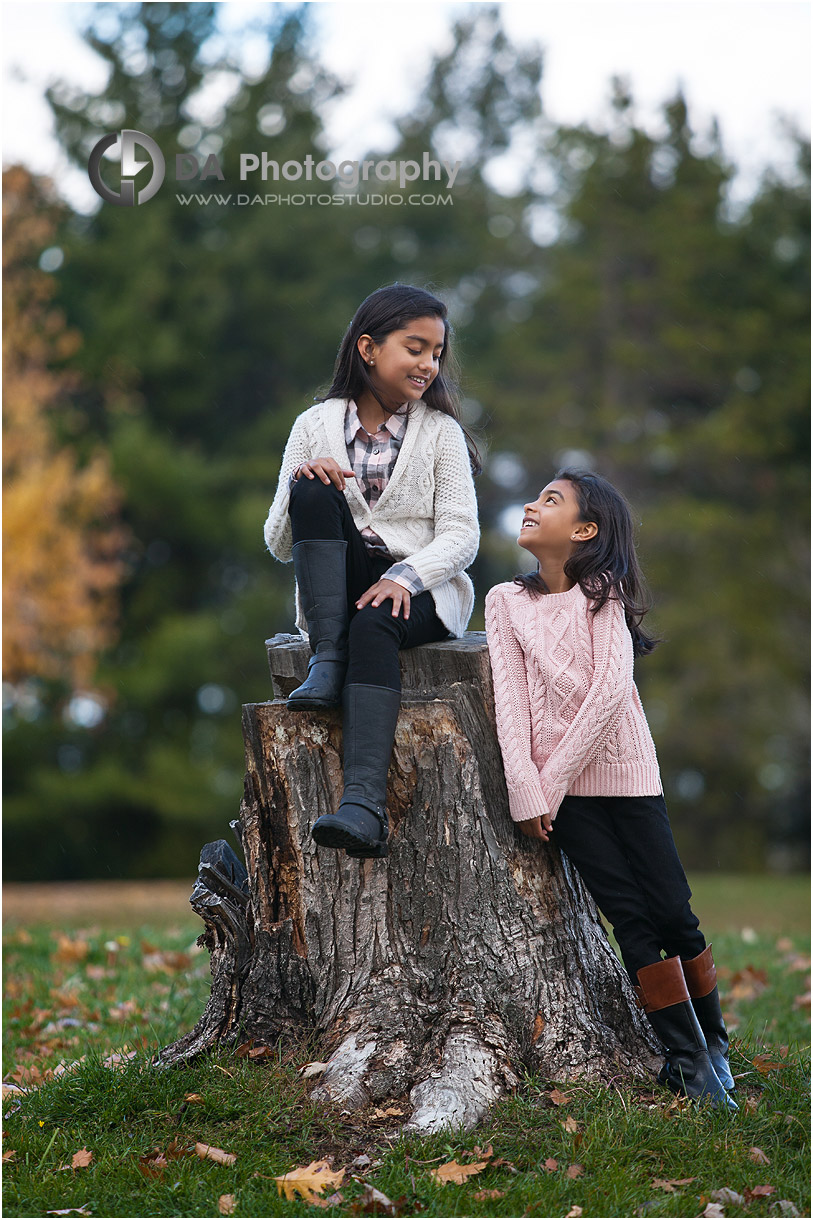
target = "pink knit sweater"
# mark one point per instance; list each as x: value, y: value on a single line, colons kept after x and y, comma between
x: 569, y: 717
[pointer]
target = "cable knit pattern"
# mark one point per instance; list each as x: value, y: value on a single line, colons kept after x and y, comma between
x: 569, y: 717
x: 426, y: 515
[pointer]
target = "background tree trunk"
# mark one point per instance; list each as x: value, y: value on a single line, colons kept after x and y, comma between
x: 467, y: 954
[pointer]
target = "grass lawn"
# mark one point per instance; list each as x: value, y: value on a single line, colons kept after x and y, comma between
x: 116, y: 1137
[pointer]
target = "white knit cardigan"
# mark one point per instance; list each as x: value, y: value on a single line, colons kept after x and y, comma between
x: 426, y: 515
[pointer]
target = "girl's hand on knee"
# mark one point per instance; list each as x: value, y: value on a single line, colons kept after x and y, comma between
x: 327, y: 469
x: 380, y: 591
x: 537, y: 828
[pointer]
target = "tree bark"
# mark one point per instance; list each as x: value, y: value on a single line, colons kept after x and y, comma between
x: 468, y: 955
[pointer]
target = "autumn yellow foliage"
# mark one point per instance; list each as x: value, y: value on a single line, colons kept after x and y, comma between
x: 62, y: 538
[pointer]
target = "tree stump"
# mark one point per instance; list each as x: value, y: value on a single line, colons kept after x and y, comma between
x: 467, y: 955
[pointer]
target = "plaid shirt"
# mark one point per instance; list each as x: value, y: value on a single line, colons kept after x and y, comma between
x: 372, y: 458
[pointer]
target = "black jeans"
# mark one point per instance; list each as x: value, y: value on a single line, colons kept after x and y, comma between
x: 320, y: 513
x: 623, y: 848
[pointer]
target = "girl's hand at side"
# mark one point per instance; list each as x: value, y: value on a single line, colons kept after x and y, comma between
x: 537, y: 828
x: 380, y: 591
x: 327, y: 469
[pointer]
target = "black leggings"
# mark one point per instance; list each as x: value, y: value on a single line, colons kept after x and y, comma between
x: 319, y: 512
x: 623, y: 848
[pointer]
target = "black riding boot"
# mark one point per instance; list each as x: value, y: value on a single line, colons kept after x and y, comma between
x: 701, y: 979
x: 320, y: 569
x: 664, y: 997
x: 360, y: 825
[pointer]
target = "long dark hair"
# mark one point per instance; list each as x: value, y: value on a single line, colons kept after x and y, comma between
x: 606, y: 565
x: 383, y: 311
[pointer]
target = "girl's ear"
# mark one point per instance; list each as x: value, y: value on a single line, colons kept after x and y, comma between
x: 584, y: 531
x: 366, y: 348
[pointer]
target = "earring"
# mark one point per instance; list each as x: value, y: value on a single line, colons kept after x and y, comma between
x: 371, y: 363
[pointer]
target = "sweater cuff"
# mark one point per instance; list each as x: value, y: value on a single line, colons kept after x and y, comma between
x: 526, y: 802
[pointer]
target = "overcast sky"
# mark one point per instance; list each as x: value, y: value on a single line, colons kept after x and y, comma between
x: 745, y: 62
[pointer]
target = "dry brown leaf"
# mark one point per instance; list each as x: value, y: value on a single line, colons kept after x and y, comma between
x: 559, y: 1099
x: 758, y: 1156
x: 227, y: 1205
x: 453, y: 1172
x: 574, y: 1211
x: 193, y: 1098
x: 551, y: 1165
x: 13, y: 1090
x: 119, y: 1058
x: 483, y: 1196
x: 483, y: 1153
x: 726, y: 1195
x: 373, y: 1203
x: 207, y: 1153
x: 670, y: 1183
x: 713, y: 1209
x: 311, y: 1069
x: 802, y: 1001
x: 81, y: 1159
x: 759, y: 1192
x: 786, y: 1207
x: 575, y: 1171
x: 570, y: 1124
x: 9, y: 1156
x: 390, y: 1112
x: 750, y: 1105
x: 332, y: 1201
x: 767, y: 1063
x: 308, y: 1180
x: 68, y: 950
x: 67, y: 1211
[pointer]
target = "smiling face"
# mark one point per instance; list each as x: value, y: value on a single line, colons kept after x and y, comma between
x: 552, y: 525
x: 405, y: 363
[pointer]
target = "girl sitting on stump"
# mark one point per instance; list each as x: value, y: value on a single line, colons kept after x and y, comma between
x: 580, y: 762
x: 376, y: 507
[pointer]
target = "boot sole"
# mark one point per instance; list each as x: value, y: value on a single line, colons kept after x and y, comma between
x: 339, y: 838
x: 306, y: 705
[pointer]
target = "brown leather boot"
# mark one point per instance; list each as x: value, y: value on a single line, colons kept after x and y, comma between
x: 701, y: 979
x: 664, y: 997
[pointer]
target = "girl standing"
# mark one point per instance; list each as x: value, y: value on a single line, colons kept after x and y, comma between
x: 376, y: 507
x: 580, y: 762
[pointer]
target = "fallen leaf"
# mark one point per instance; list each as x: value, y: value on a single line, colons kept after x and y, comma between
x: 759, y: 1192
x: 374, y: 1203
x: 207, y: 1153
x: 67, y: 1211
x: 308, y: 1180
x: 119, y: 1058
x: 784, y: 944
x: 758, y: 1156
x: 169, y: 961
x: 9, y: 1156
x: 360, y: 1162
x: 175, y: 1150
x: 575, y: 1211
x: 766, y: 1063
x: 227, y: 1205
x: 726, y: 1195
x: 713, y: 1209
x: 193, y: 1097
x: 390, y: 1112
x: 570, y: 1124
x: 81, y: 1159
x: 559, y: 1099
x: 311, y: 1069
x: 751, y: 1105
x: 551, y: 1165
x: 485, y: 1153
x: 453, y: 1172
x: 670, y: 1183
x: 501, y: 1162
x: 787, y: 1208
x: 331, y: 1201
x: 483, y: 1196
x: 68, y: 950
x: 13, y: 1090
x: 575, y: 1171
x: 802, y: 1001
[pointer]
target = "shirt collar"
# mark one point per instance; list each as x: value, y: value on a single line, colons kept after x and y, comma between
x: 394, y: 424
